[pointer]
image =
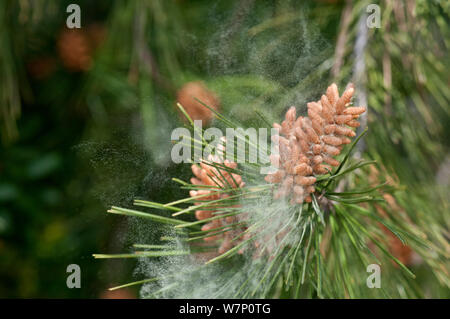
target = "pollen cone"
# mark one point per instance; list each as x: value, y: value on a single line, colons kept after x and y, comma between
x: 76, y: 47
x: 187, y: 96
x: 207, y: 175
x: 74, y: 50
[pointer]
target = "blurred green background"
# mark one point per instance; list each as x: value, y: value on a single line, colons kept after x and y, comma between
x: 86, y: 114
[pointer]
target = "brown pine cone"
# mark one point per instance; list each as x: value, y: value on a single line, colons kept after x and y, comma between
x: 186, y: 97
x: 402, y: 252
x: 74, y: 50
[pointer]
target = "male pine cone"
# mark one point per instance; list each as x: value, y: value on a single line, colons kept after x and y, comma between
x: 207, y: 175
x: 307, y: 145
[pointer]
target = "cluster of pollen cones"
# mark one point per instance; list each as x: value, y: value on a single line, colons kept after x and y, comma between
x: 307, y: 145
x: 206, y: 174
x: 306, y: 148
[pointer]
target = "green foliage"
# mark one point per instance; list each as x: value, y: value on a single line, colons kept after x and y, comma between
x: 303, y: 263
x: 75, y: 142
